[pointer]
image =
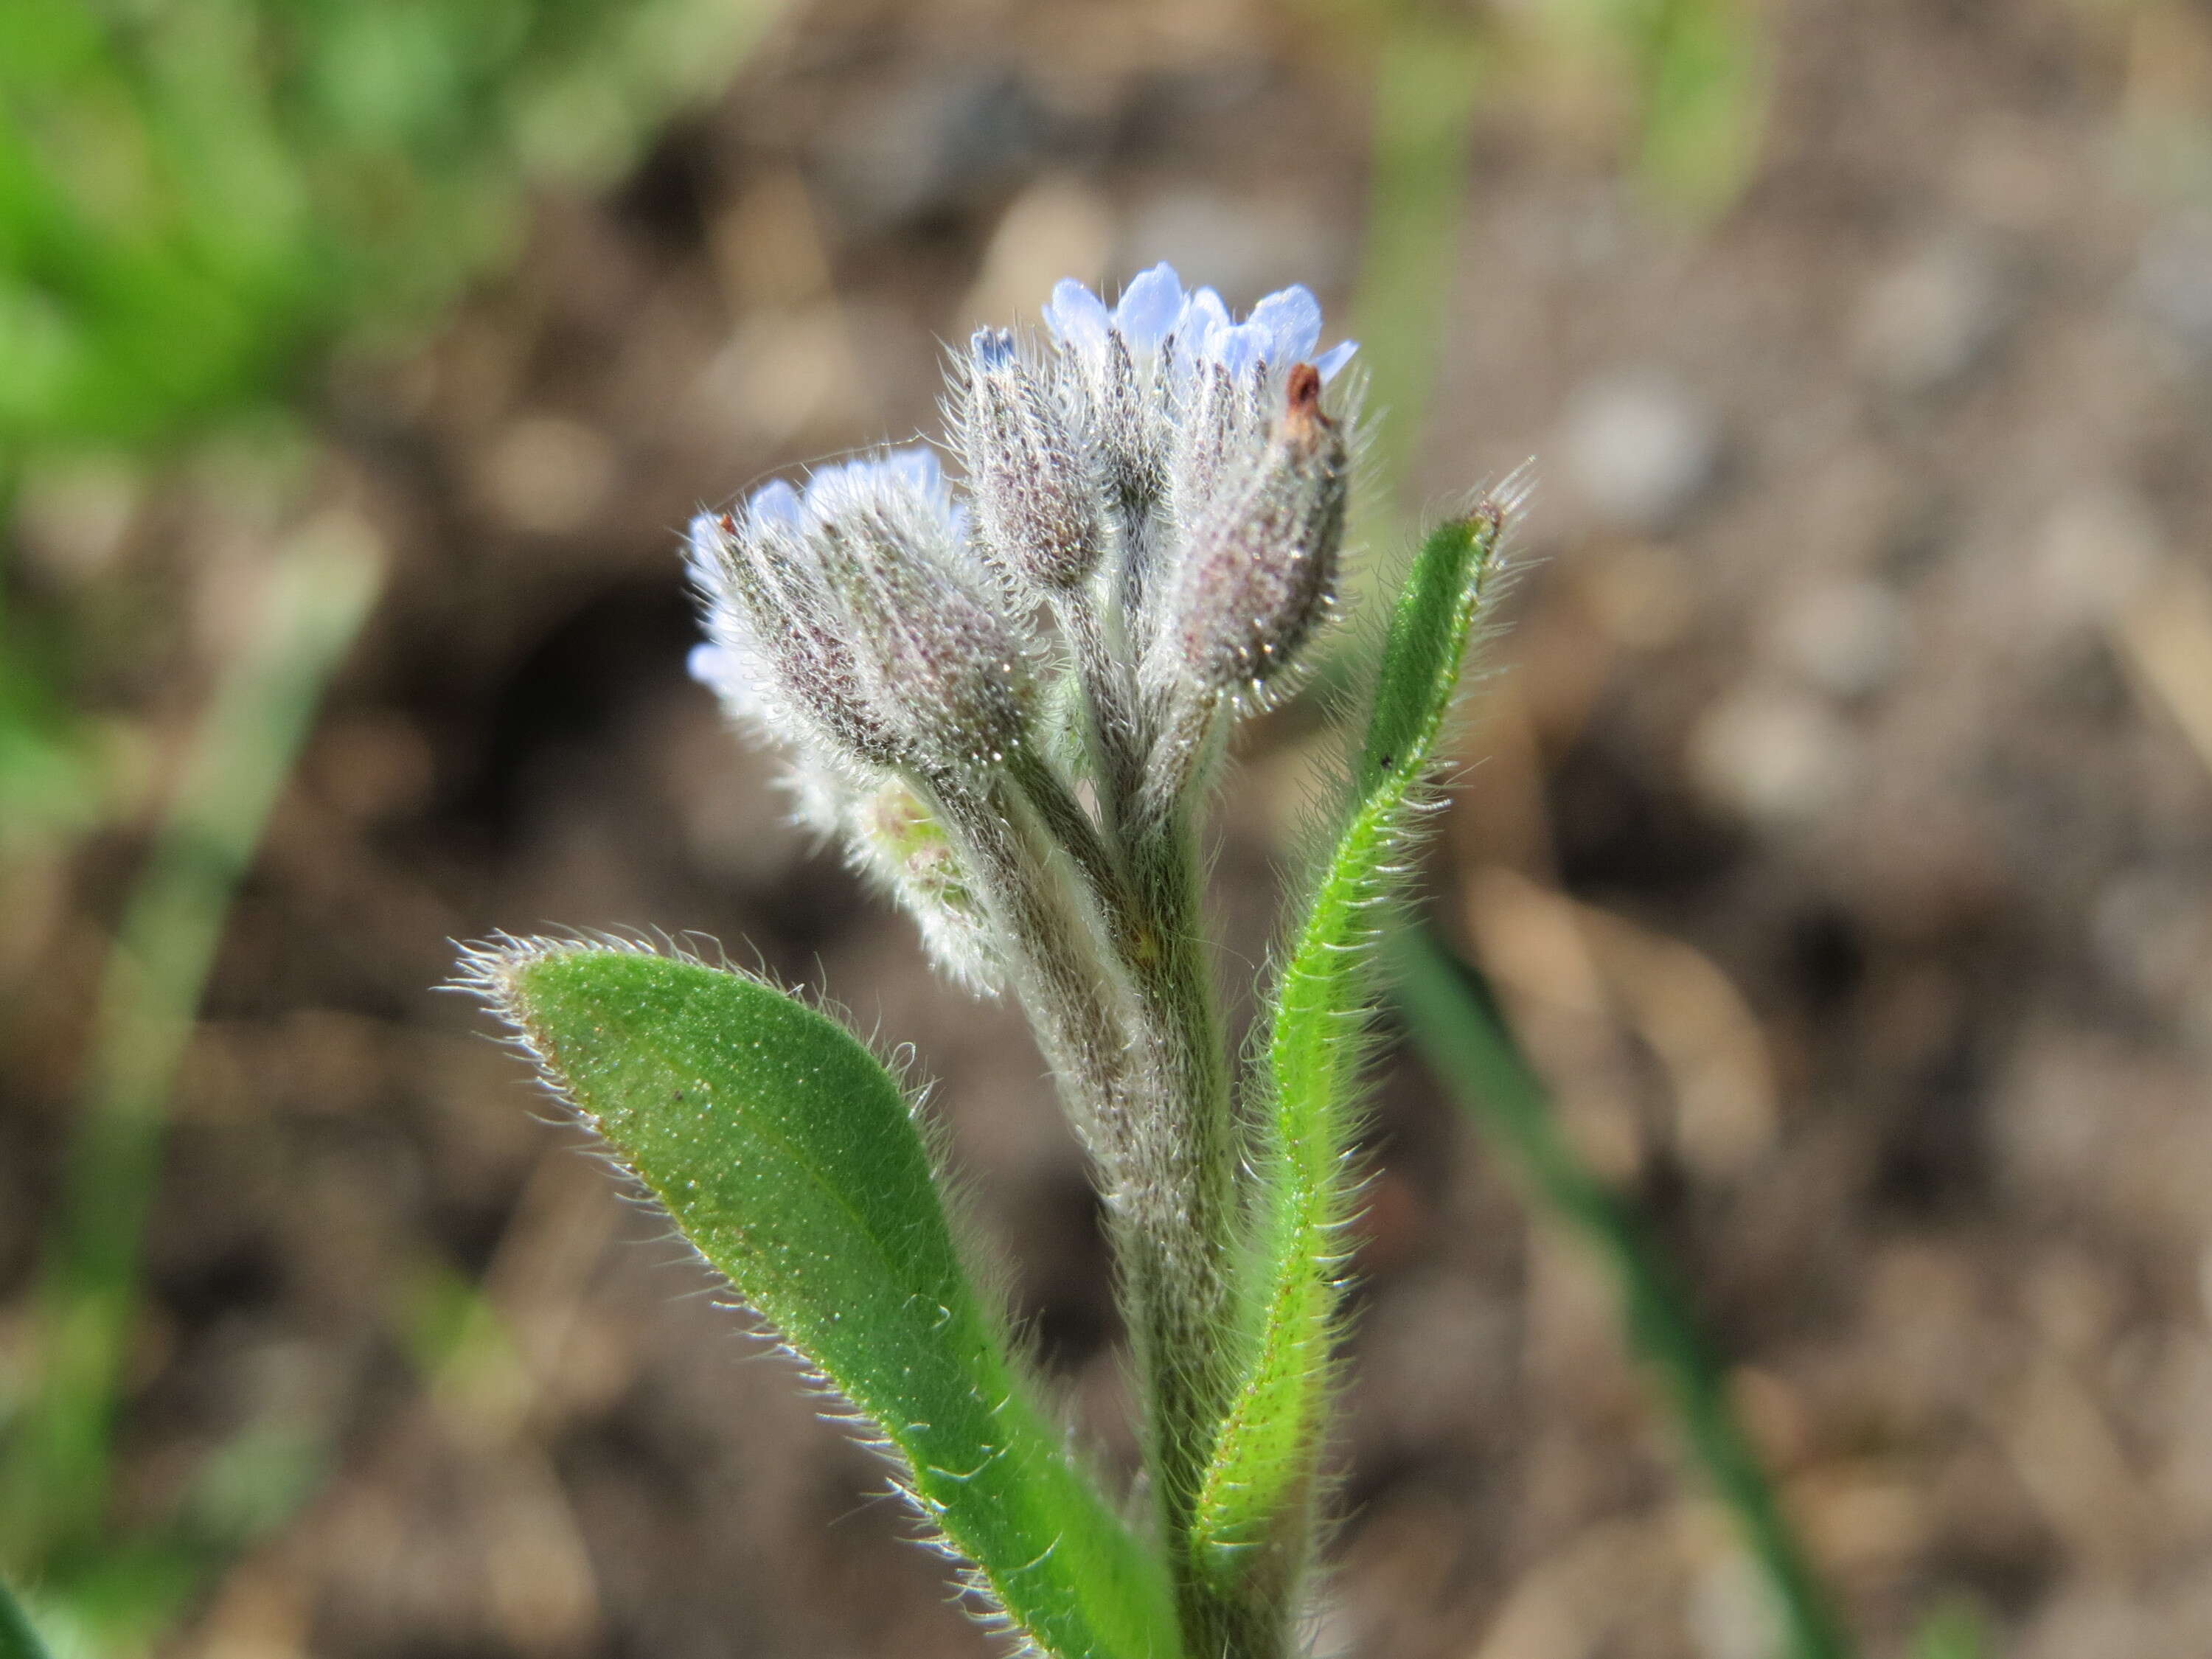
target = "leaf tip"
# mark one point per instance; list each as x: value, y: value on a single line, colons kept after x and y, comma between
x: 501, y: 973
x: 1499, y: 504
x: 493, y: 970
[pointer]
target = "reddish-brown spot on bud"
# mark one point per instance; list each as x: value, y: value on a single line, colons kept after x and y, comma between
x: 1303, y: 425
x: 1261, y: 568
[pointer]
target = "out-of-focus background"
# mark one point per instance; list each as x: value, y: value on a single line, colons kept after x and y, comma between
x: 1835, y: 829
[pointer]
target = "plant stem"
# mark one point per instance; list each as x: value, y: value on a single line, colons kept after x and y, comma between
x: 1192, y: 1380
x: 1080, y: 1022
x: 1073, y: 827
x: 1167, y: 1140
x: 1112, y: 710
x: 1468, y: 1048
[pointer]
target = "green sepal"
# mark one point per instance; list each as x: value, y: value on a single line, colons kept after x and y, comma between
x: 788, y: 1156
x: 1254, y: 1513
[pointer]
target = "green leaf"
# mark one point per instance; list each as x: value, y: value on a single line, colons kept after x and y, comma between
x: 789, y: 1158
x: 1255, y: 1507
x: 1437, y: 609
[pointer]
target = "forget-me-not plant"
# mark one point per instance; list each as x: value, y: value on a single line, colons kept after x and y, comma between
x: 1009, y: 697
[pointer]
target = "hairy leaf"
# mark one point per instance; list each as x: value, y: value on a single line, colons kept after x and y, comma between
x: 1255, y: 1510
x: 787, y: 1155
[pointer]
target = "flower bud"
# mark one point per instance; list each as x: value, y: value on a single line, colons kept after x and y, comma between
x: 1030, y: 482
x: 896, y: 839
x: 942, y: 664
x: 1226, y: 377
x: 1112, y: 369
x: 1260, y: 573
x: 776, y: 655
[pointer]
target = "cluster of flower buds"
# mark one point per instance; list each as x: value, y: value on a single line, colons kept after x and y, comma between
x: 1164, y: 482
x: 1178, y: 401
x: 853, y: 617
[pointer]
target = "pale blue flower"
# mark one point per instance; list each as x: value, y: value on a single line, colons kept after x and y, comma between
x: 1283, y: 329
x: 1149, y: 307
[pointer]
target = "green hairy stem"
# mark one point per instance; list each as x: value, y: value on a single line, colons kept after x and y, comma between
x: 1196, y: 1232
x: 1173, y: 1203
x: 1116, y: 986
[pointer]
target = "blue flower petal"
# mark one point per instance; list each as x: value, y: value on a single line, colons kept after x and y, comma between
x: 917, y: 468
x: 1291, y: 320
x: 1203, y: 319
x: 824, y: 485
x: 775, y: 502
x: 712, y: 666
x: 1149, y: 307
x: 1241, y: 349
x: 1076, y: 316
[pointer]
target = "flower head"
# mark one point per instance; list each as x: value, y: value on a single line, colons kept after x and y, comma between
x: 1158, y: 486
x: 854, y: 617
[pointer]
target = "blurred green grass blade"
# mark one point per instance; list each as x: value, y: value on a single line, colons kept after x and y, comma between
x: 1955, y: 1630
x: 1702, y: 65
x: 1429, y: 71
x: 1460, y: 1035
x: 119, y: 1601
x: 50, y: 785
x: 1254, y: 1509
x: 789, y: 1158
x: 19, y: 1638
x: 53, y: 1486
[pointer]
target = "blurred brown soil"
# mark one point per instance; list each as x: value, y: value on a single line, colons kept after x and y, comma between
x: 1831, y: 827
